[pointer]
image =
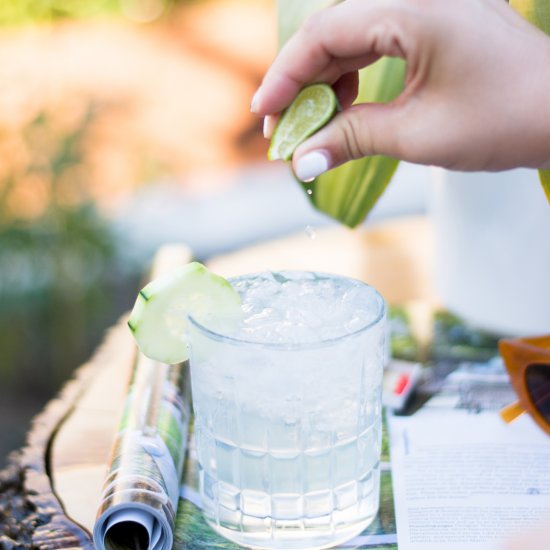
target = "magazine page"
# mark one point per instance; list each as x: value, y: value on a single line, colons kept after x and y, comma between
x: 463, y: 479
x: 192, y: 532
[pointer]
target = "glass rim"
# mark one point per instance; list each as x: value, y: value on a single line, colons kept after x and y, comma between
x: 295, y: 346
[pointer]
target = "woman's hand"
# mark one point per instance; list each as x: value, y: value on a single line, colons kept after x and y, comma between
x: 476, y: 95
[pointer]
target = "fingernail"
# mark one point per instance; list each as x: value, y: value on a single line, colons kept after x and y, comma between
x: 255, y: 101
x: 312, y: 165
x: 269, y: 126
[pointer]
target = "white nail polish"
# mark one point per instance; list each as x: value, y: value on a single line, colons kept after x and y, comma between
x: 254, y: 102
x: 267, y: 127
x: 312, y: 165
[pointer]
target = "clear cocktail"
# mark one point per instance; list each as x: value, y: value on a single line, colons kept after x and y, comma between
x: 288, y: 411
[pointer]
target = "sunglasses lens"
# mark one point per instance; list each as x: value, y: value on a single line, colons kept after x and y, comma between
x: 537, y: 378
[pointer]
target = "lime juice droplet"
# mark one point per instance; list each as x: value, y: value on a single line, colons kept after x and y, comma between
x: 310, y: 232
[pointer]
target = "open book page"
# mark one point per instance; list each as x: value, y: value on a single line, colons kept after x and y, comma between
x: 466, y: 480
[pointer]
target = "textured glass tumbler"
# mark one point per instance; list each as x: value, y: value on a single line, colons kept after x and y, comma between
x: 288, y: 434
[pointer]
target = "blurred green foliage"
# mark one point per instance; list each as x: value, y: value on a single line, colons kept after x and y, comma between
x: 16, y: 12
x: 451, y: 338
x: 25, y: 11
x: 454, y: 339
x: 59, y: 280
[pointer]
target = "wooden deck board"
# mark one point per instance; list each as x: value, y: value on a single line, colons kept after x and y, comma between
x: 80, y: 450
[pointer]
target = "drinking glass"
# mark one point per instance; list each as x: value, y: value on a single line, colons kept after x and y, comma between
x: 288, y: 411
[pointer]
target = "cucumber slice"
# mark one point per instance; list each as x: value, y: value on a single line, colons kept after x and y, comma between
x: 160, y: 315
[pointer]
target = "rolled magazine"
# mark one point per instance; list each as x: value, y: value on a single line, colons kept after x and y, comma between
x: 141, y: 492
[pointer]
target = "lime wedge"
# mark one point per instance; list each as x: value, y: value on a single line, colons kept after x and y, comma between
x: 160, y: 316
x: 311, y: 109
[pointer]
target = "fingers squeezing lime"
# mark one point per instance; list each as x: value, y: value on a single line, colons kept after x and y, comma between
x: 160, y: 316
x: 312, y: 108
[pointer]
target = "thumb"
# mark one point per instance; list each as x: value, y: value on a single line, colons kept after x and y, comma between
x: 362, y: 130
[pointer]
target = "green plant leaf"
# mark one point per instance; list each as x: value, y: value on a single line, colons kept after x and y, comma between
x: 538, y: 13
x: 535, y: 11
x: 544, y: 176
x: 292, y: 13
x: 349, y: 192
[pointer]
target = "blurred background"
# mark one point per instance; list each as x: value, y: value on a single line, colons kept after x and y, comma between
x: 125, y: 124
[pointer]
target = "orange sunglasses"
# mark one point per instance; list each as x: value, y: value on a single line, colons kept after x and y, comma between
x: 527, y: 361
